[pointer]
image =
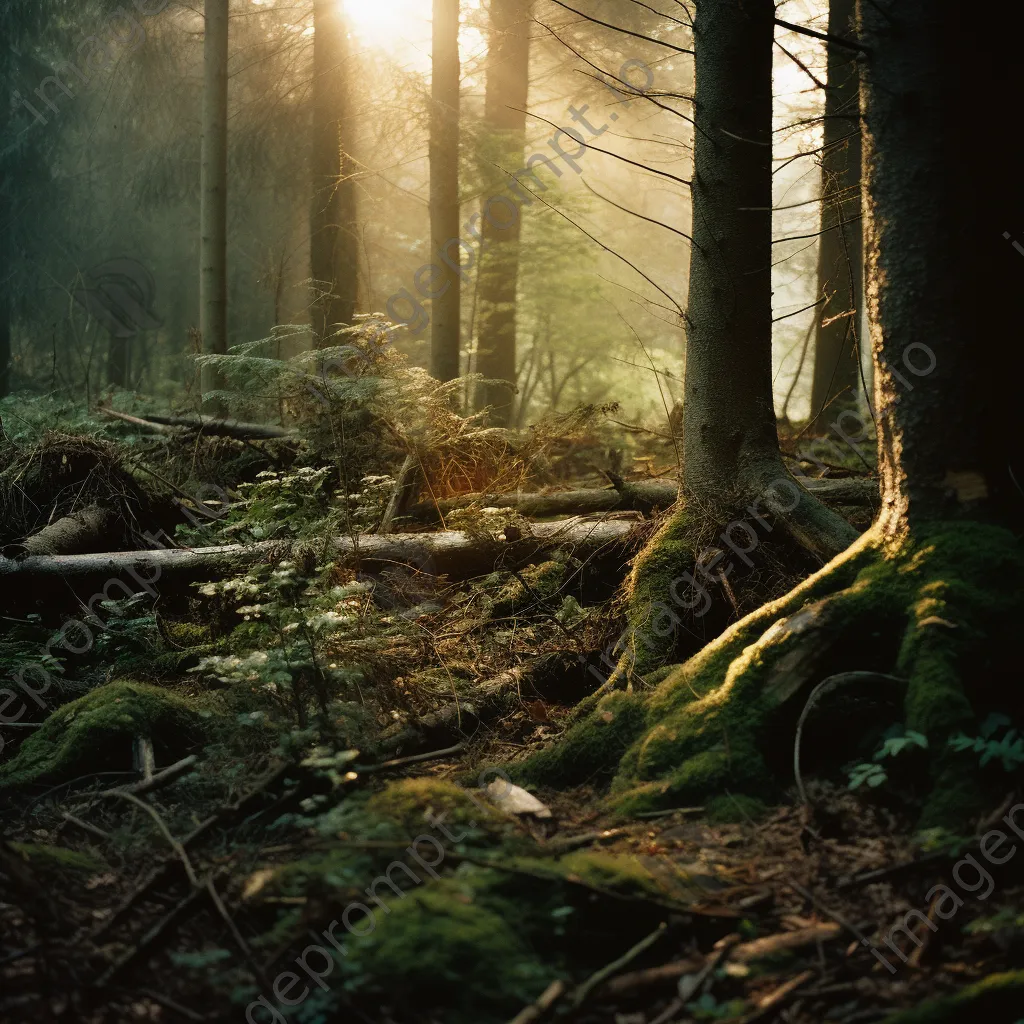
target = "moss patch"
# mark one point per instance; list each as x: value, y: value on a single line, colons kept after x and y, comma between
x: 939, y: 601
x: 455, y: 944
x: 995, y: 1000
x: 591, y: 749
x: 408, y: 802
x: 97, y: 730
x: 57, y: 860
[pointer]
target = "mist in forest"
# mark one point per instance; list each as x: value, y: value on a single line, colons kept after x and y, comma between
x: 102, y: 158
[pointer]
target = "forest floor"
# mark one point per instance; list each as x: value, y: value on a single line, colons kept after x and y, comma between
x: 279, y: 794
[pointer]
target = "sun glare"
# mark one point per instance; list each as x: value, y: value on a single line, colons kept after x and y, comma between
x: 389, y: 24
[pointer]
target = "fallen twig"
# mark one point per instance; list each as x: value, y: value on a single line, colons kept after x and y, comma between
x: 588, y: 986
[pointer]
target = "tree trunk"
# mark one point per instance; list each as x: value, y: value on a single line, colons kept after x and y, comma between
x: 731, y: 458
x: 930, y: 600
x: 213, y: 278
x: 943, y: 210
x: 841, y: 251
x: 333, y: 241
x: 508, y: 77
x: 6, y: 266
x: 119, y: 350
x: 443, y: 286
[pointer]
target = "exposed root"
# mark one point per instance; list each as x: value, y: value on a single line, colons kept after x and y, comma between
x: 935, y: 610
x: 722, y: 561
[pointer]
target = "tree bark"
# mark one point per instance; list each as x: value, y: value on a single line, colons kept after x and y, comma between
x: 6, y: 274
x: 730, y: 438
x: 444, y: 285
x: 641, y: 496
x: 213, y: 278
x: 451, y: 553
x: 841, y: 250
x: 505, y: 99
x: 333, y: 238
x: 943, y: 209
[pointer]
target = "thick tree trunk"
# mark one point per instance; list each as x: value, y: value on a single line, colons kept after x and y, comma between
x: 333, y: 241
x: 841, y: 252
x: 943, y: 209
x: 508, y: 77
x: 213, y: 278
x: 445, y: 251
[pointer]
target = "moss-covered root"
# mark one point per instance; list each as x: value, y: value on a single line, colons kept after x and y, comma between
x: 995, y: 1000
x: 930, y: 611
x: 97, y: 730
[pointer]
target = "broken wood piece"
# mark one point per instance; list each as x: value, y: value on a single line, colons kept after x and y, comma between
x: 80, y: 532
x: 143, y: 757
x: 746, y: 952
x: 588, y: 986
x: 160, y: 779
x: 93, y: 830
x: 224, y: 428
x: 545, y: 1001
x: 777, y: 997
x: 407, y: 484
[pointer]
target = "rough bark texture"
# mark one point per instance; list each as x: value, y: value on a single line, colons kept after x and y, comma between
x: 445, y: 251
x: 213, y: 278
x: 933, y: 594
x: 333, y: 239
x: 942, y: 210
x: 730, y: 439
x: 731, y: 453
x: 728, y: 415
x: 840, y: 255
x: 505, y: 99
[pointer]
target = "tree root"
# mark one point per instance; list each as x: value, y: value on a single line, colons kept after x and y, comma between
x: 697, y: 552
x: 935, y: 609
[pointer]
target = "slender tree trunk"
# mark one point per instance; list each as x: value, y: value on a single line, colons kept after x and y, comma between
x: 213, y: 278
x: 841, y: 252
x: 943, y: 211
x: 729, y: 430
x: 118, y: 361
x: 6, y: 273
x: 333, y: 238
x: 444, y: 191
x: 508, y: 77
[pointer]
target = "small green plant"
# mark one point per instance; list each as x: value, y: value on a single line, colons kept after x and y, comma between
x: 1008, y: 747
x: 894, y: 742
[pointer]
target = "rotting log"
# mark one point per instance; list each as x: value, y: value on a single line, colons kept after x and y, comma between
x: 223, y: 428
x: 641, y: 496
x: 448, y: 553
x: 77, y: 533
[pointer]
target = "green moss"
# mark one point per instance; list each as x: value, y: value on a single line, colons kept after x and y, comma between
x: 591, y: 749
x: 945, y: 597
x: 619, y: 872
x: 59, y: 859
x: 732, y: 809
x: 97, y: 730
x: 995, y: 1000
x: 545, y: 582
x: 455, y: 944
x: 409, y: 801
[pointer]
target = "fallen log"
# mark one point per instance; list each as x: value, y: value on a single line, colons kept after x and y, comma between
x: 448, y: 553
x: 641, y: 496
x: 74, y: 534
x: 224, y: 428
